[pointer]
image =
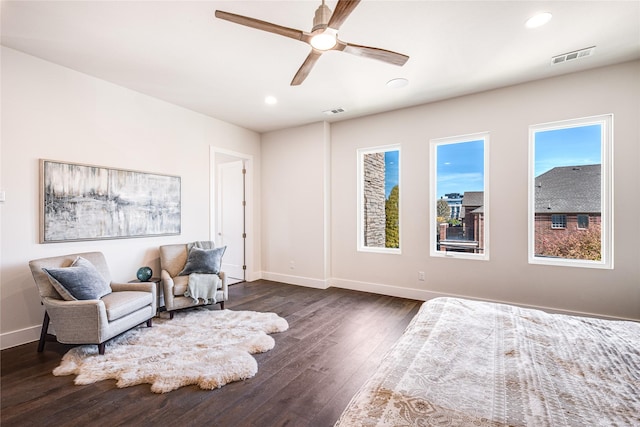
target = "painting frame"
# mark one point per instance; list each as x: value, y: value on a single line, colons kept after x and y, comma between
x: 83, y: 202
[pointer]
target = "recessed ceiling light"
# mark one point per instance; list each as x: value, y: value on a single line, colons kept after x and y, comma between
x: 538, y: 20
x: 397, y: 83
x: 270, y: 100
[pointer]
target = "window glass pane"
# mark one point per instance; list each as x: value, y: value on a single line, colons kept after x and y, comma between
x: 583, y: 221
x: 570, y: 196
x: 558, y: 221
x: 379, y: 198
x: 459, y: 196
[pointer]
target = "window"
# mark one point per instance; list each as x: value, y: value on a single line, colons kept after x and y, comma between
x: 459, y: 196
x: 583, y: 222
x: 558, y: 221
x: 379, y: 199
x: 570, y: 193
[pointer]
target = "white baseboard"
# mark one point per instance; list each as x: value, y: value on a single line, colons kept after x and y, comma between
x: 250, y: 276
x: 379, y: 288
x: 296, y: 280
x: 19, y: 337
x: 424, y: 295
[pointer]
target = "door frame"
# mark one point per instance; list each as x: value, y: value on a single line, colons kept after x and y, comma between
x: 215, y: 154
x: 232, y: 200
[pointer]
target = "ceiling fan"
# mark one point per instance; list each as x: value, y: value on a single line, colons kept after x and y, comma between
x: 322, y: 38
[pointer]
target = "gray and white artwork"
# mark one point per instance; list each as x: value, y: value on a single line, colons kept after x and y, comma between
x: 81, y: 202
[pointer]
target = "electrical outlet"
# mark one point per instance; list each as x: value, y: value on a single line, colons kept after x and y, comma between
x: 421, y: 276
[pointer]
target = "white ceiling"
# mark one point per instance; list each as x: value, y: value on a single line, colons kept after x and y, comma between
x: 179, y: 52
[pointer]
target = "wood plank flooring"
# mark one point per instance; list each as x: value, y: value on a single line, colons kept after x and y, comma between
x: 335, y: 340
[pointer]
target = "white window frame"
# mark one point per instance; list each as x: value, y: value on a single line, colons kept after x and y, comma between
x: 360, y: 157
x: 433, y: 163
x: 606, y: 191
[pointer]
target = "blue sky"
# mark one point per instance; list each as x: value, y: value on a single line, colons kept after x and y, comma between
x: 460, y: 167
x: 391, y: 173
x: 567, y: 147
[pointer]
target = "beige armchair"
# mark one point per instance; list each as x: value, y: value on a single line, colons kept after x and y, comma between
x: 173, y: 259
x: 91, y: 321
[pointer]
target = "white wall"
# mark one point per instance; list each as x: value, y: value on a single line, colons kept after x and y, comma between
x: 295, y: 177
x: 506, y: 114
x: 507, y: 276
x: 52, y: 112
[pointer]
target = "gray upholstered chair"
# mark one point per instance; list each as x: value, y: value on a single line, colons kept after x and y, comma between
x: 91, y: 321
x: 173, y: 259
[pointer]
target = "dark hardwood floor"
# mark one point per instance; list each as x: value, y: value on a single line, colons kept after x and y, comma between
x: 335, y: 340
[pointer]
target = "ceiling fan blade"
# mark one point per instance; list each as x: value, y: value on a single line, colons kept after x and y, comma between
x: 263, y: 25
x: 306, y: 67
x: 384, y: 55
x: 341, y: 13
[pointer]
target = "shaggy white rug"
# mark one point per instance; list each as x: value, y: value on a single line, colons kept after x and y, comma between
x: 209, y: 348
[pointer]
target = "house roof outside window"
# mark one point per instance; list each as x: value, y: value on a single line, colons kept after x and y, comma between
x: 569, y: 189
x: 472, y: 202
x: 473, y: 198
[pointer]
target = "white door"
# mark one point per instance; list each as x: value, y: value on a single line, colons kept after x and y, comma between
x: 231, y: 217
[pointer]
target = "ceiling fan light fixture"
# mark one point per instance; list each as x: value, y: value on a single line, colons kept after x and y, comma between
x: 324, y: 40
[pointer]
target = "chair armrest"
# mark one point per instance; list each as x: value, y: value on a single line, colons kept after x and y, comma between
x: 225, y: 287
x: 167, y: 288
x: 164, y: 275
x: 91, y: 304
x: 167, y: 281
x: 140, y: 287
x: 70, y: 319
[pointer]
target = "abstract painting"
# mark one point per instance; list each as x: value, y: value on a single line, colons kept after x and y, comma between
x: 83, y: 202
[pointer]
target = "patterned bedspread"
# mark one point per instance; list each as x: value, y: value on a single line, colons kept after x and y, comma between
x: 469, y: 363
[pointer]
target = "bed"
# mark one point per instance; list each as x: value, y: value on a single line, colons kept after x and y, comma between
x: 471, y: 363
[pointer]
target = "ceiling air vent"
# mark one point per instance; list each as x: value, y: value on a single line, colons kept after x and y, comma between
x: 570, y: 56
x: 334, y: 111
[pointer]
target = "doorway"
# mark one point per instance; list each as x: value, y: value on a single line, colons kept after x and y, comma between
x: 230, y: 211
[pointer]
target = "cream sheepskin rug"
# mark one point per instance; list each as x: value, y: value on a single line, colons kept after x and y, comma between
x: 209, y: 348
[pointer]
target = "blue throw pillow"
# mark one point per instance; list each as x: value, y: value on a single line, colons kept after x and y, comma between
x: 206, y: 261
x: 80, y: 281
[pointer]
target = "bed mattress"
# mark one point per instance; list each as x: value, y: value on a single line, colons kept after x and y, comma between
x: 470, y: 363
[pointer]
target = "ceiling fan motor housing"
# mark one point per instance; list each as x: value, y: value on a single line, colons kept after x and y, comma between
x: 321, y: 19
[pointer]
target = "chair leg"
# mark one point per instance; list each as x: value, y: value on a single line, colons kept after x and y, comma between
x: 221, y: 305
x: 43, y: 332
x: 149, y: 323
x: 101, y: 347
x: 171, y: 315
